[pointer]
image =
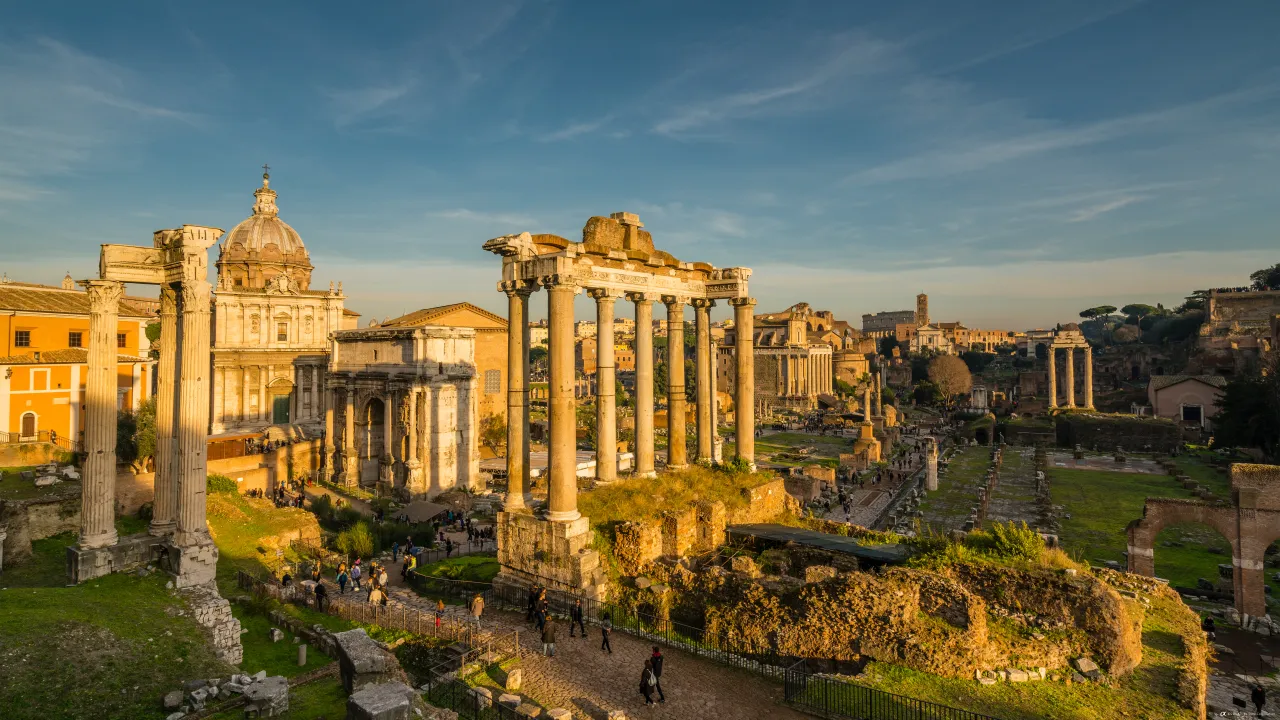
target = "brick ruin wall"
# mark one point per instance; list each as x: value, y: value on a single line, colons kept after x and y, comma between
x: 1108, y: 433
x: 1246, y: 313
x: 698, y: 529
x: 213, y: 613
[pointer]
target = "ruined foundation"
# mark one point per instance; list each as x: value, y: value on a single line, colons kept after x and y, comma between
x: 549, y: 553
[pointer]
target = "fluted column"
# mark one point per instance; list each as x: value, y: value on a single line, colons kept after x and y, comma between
x: 164, y: 514
x: 1053, y: 377
x: 385, y: 472
x: 715, y: 401
x: 193, y: 413
x: 98, y: 496
x: 745, y: 397
x: 704, y: 368
x: 1071, y: 377
x: 562, y: 454
x: 879, y: 389
x: 606, y: 384
x: 644, y: 383
x: 1088, y: 376
x: 329, y: 401
x: 677, y: 453
x: 517, y: 396
x: 350, y: 467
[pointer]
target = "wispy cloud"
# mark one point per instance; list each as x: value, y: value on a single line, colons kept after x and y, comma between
x: 354, y: 105
x: 1093, y: 211
x: 476, y: 216
x: 576, y: 129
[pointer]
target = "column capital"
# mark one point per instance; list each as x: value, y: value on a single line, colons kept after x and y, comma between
x: 558, y: 282
x: 674, y: 301
x: 517, y: 287
x: 645, y: 298
x: 103, y: 294
x: 195, y: 296
x: 702, y: 303
x: 604, y: 294
x: 742, y: 302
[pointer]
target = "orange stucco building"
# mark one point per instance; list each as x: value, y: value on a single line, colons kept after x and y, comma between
x: 44, y: 339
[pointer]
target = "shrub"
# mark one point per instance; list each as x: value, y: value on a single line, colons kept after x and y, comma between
x: 1012, y: 541
x: 355, y: 540
x: 347, y: 517
x: 216, y: 483
x: 734, y: 465
x: 323, y: 509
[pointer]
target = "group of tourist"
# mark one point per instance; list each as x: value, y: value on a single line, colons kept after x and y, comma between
x: 374, y: 580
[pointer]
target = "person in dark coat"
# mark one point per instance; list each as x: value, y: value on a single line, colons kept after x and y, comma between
x: 322, y: 595
x: 647, y: 682
x: 575, y: 616
x: 1259, y: 698
x: 549, y: 638
x: 656, y: 662
x: 606, y: 627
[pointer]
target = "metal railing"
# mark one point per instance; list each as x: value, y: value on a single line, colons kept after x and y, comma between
x: 457, y: 696
x: 45, y: 436
x: 834, y: 698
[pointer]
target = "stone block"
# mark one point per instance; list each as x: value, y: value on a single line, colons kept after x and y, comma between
x: 744, y: 564
x: 515, y: 677
x: 643, y: 582
x: 173, y: 700
x: 270, y: 695
x: 509, y: 700
x: 528, y: 710
x: 381, y: 701
x: 1086, y: 667
x: 617, y: 715
x: 559, y: 714
x: 1016, y: 675
x: 362, y: 661
x: 275, y: 634
x: 482, y: 697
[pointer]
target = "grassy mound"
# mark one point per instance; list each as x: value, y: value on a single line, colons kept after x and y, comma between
x: 642, y: 498
x: 252, y: 535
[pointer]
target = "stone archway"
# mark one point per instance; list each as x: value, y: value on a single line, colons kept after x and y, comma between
x: 370, y: 429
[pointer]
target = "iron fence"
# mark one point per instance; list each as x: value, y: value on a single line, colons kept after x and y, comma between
x: 46, y: 436
x: 833, y: 698
x: 457, y: 696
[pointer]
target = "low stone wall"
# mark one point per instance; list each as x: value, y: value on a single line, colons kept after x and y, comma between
x: 29, y: 519
x: 213, y: 613
x: 1107, y: 432
x: 32, y: 453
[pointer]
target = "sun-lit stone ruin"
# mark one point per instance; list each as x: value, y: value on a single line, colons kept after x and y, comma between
x: 406, y: 422
x: 615, y: 259
x: 1069, y: 339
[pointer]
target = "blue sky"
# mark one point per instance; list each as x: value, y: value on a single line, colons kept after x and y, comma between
x: 1018, y: 161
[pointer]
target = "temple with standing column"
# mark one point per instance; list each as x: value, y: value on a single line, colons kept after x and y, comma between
x: 1069, y: 338
x: 616, y: 260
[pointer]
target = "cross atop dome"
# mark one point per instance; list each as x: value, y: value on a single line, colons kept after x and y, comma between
x: 266, y: 204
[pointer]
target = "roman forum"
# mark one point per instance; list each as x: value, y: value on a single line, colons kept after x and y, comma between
x: 615, y: 259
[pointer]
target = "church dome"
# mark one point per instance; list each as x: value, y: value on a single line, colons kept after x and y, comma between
x: 263, y: 246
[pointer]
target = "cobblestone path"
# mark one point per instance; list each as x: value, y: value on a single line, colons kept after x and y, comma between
x: 1014, y: 498
x: 589, y: 682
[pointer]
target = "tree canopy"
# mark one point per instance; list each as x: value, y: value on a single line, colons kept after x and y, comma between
x: 1138, y: 309
x: 1099, y: 311
x: 1266, y: 278
x: 951, y: 375
x: 1249, y: 414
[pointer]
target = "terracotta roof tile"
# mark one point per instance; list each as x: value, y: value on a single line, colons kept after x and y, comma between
x: 426, y: 315
x: 26, y: 297
x: 62, y: 357
x: 1160, y: 382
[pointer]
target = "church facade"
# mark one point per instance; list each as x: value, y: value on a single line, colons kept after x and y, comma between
x: 270, y: 329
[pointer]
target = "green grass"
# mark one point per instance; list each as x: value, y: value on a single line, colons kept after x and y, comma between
x: 239, y: 524
x: 948, y: 507
x: 277, y: 658
x: 1102, y: 504
x: 323, y: 699
x: 640, y: 498
x: 14, y: 487
x: 108, y: 648
x: 475, y: 568
x: 827, y: 449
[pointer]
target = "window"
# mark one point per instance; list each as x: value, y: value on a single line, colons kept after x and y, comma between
x: 282, y: 332
x: 22, y: 338
x: 492, y: 381
x: 122, y: 340
x: 239, y: 282
x: 75, y: 339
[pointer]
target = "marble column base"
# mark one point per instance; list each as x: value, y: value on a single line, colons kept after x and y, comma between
x: 130, y: 552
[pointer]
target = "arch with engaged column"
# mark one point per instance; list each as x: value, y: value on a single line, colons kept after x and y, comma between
x: 616, y: 260
x: 1250, y: 524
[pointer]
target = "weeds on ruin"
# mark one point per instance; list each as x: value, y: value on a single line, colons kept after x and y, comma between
x: 216, y: 483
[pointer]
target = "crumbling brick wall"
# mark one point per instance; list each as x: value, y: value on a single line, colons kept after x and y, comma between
x: 679, y: 533
x: 635, y: 545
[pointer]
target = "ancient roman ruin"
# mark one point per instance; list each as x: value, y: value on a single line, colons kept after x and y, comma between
x: 178, y: 262
x: 616, y: 258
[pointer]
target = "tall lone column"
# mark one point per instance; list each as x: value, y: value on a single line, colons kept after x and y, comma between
x: 563, y: 464
x: 98, y: 497
x: 606, y: 384
x: 702, y: 355
x: 1053, y: 378
x: 745, y: 387
x: 715, y: 401
x: 677, y: 453
x: 329, y: 401
x: 517, y: 396
x: 1088, y: 376
x: 879, y: 389
x: 644, y: 384
x: 1071, y: 377
x: 350, y: 469
x: 193, y: 409
x: 386, y: 472
x: 164, y: 514
x: 931, y: 464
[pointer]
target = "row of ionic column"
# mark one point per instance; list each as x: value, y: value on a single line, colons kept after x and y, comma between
x: 562, y: 470
x: 182, y: 415
x: 1070, y: 372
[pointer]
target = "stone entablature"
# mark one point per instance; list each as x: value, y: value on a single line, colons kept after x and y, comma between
x: 404, y: 410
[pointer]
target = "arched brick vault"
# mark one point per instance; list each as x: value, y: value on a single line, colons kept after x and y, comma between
x: 1250, y: 524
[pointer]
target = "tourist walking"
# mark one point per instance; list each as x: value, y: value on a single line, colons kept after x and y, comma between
x: 656, y: 662
x: 322, y: 595
x: 439, y: 612
x: 575, y: 616
x: 395, y: 551
x: 647, y: 682
x: 533, y: 604
x: 606, y: 627
x: 355, y: 575
x: 477, y: 609
x: 549, y: 638
x: 382, y: 578
x: 1259, y: 698
x: 342, y: 581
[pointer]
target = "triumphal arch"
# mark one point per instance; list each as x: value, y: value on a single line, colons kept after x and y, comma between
x: 615, y: 259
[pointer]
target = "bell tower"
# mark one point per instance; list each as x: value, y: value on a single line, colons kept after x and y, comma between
x: 922, y: 310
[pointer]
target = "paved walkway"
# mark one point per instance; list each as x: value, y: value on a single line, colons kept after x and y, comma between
x: 590, y: 682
